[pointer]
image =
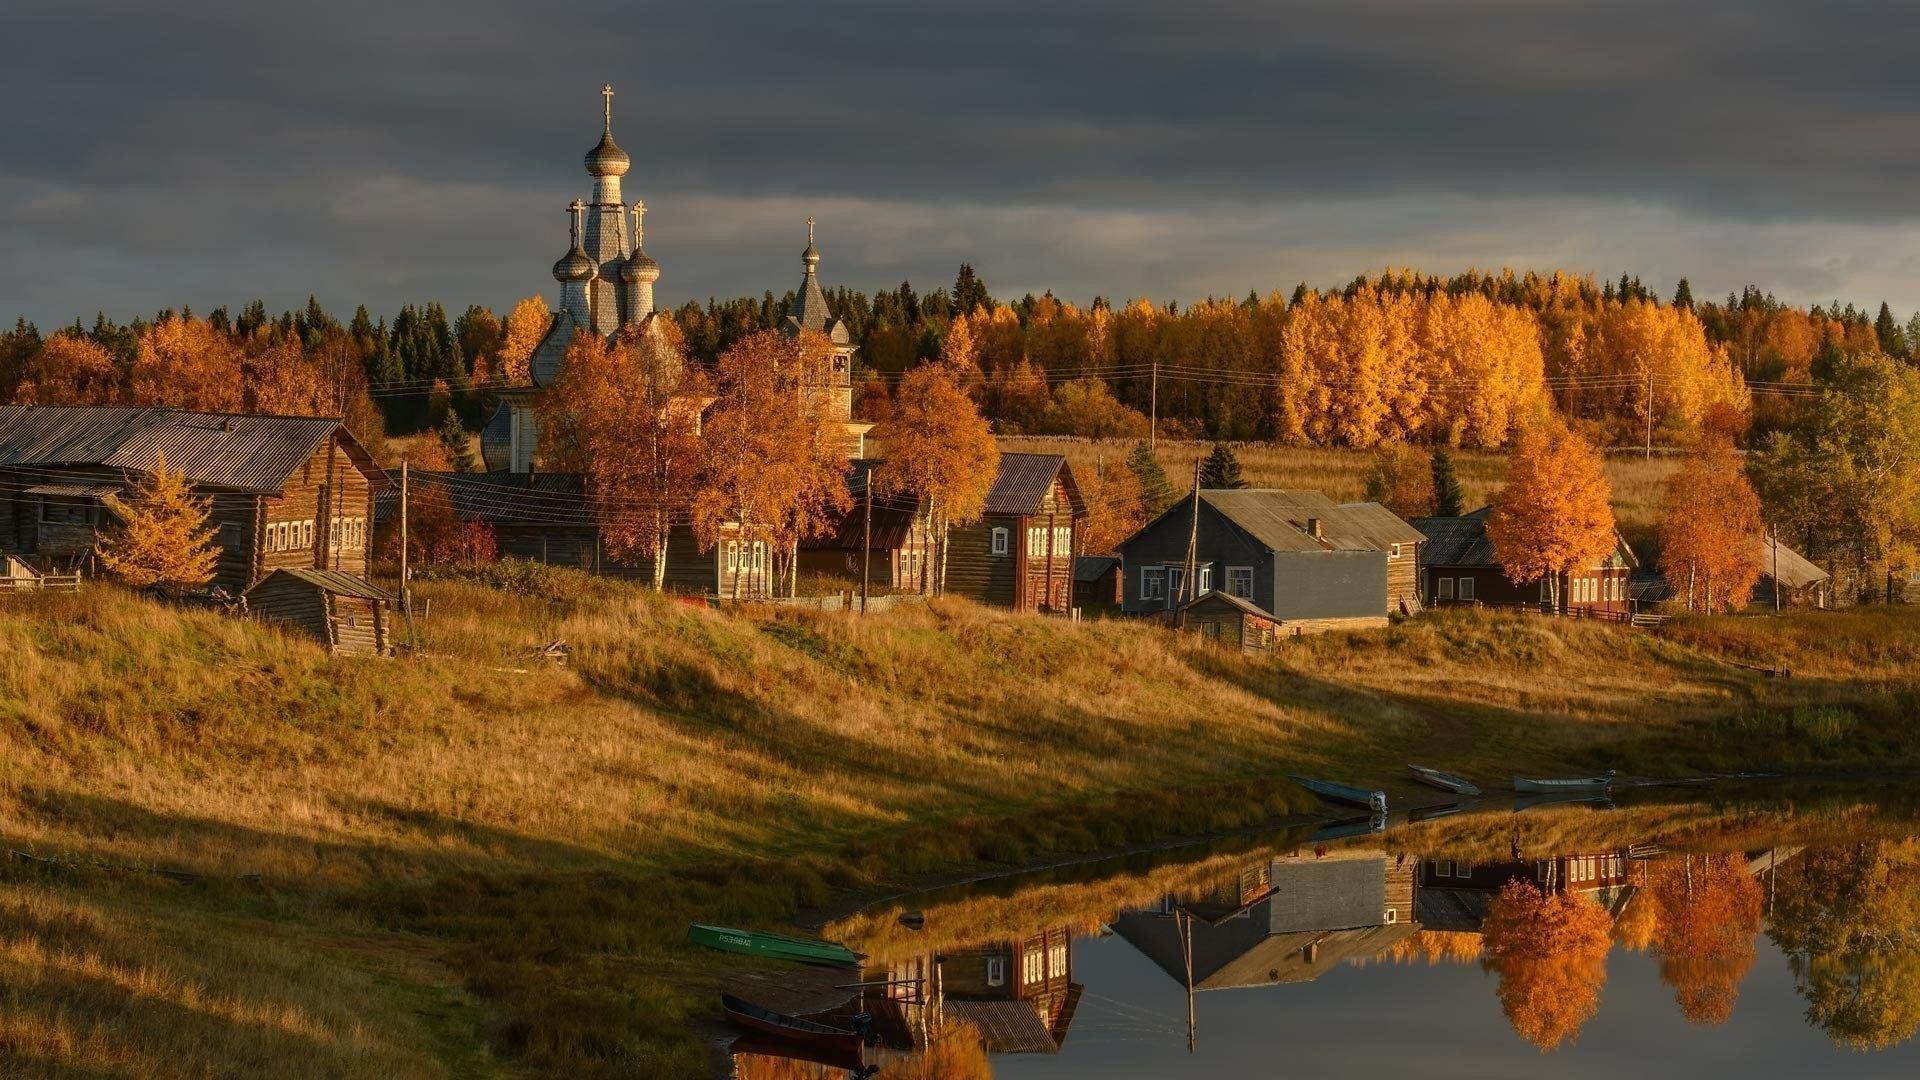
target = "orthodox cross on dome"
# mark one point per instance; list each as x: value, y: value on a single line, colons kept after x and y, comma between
x: 809, y: 231
x: 606, y: 91
x: 639, y: 214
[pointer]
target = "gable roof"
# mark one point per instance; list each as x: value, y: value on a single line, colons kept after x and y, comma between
x: 1795, y: 570
x: 1091, y: 568
x: 1245, y: 605
x: 255, y: 454
x: 1278, y: 520
x: 1023, y: 481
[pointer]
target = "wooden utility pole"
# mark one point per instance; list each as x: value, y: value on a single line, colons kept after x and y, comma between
x: 1153, y: 410
x: 1774, y: 538
x: 866, y: 544
x: 1189, y: 588
x: 406, y: 590
x: 1649, y: 416
x: 1184, y: 922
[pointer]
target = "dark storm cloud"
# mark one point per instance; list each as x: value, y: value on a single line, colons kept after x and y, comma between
x: 159, y: 154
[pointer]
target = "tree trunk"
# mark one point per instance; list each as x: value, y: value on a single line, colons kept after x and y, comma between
x: 662, y: 533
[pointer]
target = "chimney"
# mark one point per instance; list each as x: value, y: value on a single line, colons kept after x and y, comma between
x: 1315, y: 529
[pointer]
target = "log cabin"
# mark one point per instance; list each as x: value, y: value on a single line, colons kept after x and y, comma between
x: 1098, y: 581
x: 1021, y: 552
x: 344, y: 613
x: 283, y: 491
x: 892, y: 547
x: 1231, y: 622
x: 1297, y: 556
x: 1460, y: 568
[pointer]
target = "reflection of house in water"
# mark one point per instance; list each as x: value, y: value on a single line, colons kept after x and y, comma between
x: 1288, y: 920
x: 1455, y: 894
x: 1019, y: 993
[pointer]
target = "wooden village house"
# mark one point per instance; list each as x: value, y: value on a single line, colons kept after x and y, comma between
x: 1018, y: 992
x: 1230, y: 621
x: 1098, y: 581
x: 1784, y: 573
x: 284, y: 491
x: 1296, y: 558
x: 343, y: 612
x: 1460, y: 568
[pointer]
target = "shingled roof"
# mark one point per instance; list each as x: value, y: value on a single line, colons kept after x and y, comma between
x: 255, y: 454
x: 1279, y: 520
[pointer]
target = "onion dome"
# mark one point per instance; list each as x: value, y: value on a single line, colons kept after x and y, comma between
x: 811, y: 256
x: 574, y: 265
x: 607, y: 159
x: 639, y: 267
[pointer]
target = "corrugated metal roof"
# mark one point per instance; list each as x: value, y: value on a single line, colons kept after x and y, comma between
x: 1021, y: 485
x: 1091, y: 568
x: 72, y: 490
x: 1279, y: 519
x: 1229, y: 599
x: 333, y: 581
x: 237, y: 451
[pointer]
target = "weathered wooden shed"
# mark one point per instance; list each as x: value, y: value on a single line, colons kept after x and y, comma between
x: 1097, y: 581
x: 1229, y: 620
x: 346, y: 613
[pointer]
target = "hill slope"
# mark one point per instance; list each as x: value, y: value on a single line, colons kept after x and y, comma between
x: 477, y: 862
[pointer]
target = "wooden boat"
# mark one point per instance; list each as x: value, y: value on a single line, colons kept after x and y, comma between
x: 795, y: 1035
x: 761, y: 1044
x: 1549, y: 787
x: 1443, y: 780
x: 1375, y: 801
x: 774, y: 946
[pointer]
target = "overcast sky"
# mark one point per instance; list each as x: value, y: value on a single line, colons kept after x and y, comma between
x: 205, y: 153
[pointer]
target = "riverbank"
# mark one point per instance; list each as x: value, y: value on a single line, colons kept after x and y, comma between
x: 481, y: 863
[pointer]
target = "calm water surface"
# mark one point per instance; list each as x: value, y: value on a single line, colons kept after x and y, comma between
x: 1781, y: 943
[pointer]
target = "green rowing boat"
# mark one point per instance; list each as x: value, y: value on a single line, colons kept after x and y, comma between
x: 776, y: 946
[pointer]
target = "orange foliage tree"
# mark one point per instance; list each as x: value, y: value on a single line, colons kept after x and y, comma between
x: 1708, y: 922
x: 940, y: 454
x: 186, y: 363
x: 163, y: 538
x: 774, y: 473
x: 1402, y: 480
x: 628, y: 416
x: 1550, y: 951
x: 1708, y: 525
x: 526, y: 324
x: 69, y: 369
x: 1554, y: 512
x: 1116, y: 507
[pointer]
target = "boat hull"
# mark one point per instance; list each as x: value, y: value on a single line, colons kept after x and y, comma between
x: 1561, y: 787
x: 1375, y: 801
x: 772, y: 946
x: 792, y: 1036
x: 1445, y: 781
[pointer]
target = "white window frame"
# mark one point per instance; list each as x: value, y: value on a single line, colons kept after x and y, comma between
x: 1465, y: 590
x: 1176, y: 584
x: 1443, y: 590
x: 1000, y: 541
x: 1393, y: 551
x: 996, y: 971
x: 1236, y: 574
x: 1206, y: 581
x: 1153, y: 583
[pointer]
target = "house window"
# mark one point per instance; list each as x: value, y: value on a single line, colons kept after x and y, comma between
x: 1153, y: 582
x: 996, y: 971
x: 1176, y: 584
x: 1000, y: 540
x: 1446, y: 588
x: 1393, y: 551
x: 1206, y: 580
x: 1033, y: 967
x: 1466, y: 588
x: 1240, y: 581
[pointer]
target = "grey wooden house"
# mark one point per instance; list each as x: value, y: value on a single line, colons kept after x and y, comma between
x: 1297, y: 556
x: 342, y: 612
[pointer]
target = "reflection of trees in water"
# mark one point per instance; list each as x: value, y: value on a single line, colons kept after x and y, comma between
x: 1705, y: 924
x: 1550, y: 951
x: 1849, y: 921
x: 1436, y: 947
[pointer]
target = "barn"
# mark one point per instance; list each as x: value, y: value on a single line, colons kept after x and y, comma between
x: 284, y: 491
x: 342, y: 612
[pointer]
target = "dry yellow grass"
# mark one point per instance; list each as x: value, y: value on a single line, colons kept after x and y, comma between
x: 476, y: 857
x: 1342, y: 474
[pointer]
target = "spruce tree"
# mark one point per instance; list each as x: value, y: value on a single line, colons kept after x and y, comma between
x: 1683, y: 295
x: 1447, y: 496
x: 1156, y: 494
x: 1892, y: 340
x: 458, y: 443
x: 1221, y: 469
x: 969, y: 292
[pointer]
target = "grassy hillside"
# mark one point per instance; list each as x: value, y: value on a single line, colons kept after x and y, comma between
x: 477, y: 863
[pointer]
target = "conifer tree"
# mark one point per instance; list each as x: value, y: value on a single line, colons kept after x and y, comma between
x: 1156, y: 494
x: 1221, y: 469
x: 164, y: 538
x: 1683, y: 295
x: 1892, y: 339
x: 1448, y: 499
x: 969, y: 292
x: 458, y: 443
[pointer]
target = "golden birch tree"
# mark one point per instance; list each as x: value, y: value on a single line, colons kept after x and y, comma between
x: 1553, y: 514
x: 1709, y: 522
x: 941, y: 454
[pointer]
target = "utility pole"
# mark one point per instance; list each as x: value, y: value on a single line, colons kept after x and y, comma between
x: 1189, y: 588
x: 1153, y: 410
x: 1774, y: 537
x: 406, y: 591
x: 1649, y: 416
x: 866, y: 544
